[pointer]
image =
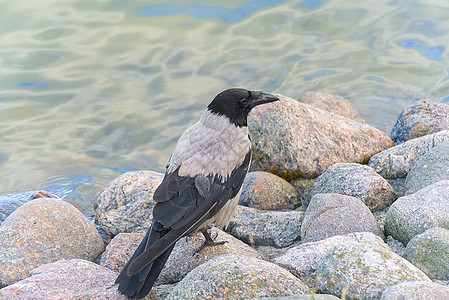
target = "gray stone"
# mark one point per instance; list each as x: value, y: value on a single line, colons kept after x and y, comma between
x: 294, y: 140
x: 237, y: 277
x: 398, y: 161
x: 356, y: 180
x: 334, y: 214
x: 272, y: 228
x: 303, y: 260
x: 302, y: 297
x: 43, y: 231
x: 430, y: 168
x: 66, y: 279
x: 416, y: 290
x: 304, y: 187
x: 126, y: 205
x: 267, y: 191
x: 9, y: 203
x: 429, y: 251
x: 362, y: 271
x: 419, y: 119
x: 413, y: 214
x: 332, y: 103
x: 183, y: 258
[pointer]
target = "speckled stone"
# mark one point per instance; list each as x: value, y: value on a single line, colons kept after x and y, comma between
x: 416, y: 290
x: 334, y: 214
x: 43, y: 231
x: 67, y: 279
x: 303, y: 259
x: 267, y: 228
x: 398, y: 161
x: 430, y: 168
x: 419, y: 119
x: 332, y: 103
x: 363, y: 271
x: 267, y: 191
x: 126, y: 205
x: 429, y: 251
x: 294, y: 140
x: 356, y: 180
x: 413, y: 214
x: 237, y: 277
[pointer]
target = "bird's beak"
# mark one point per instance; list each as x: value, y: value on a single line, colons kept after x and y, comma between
x: 263, y: 98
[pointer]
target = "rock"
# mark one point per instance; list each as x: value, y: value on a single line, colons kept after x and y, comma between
x: 182, y: 260
x: 333, y: 214
x: 416, y: 290
x: 126, y: 205
x: 363, y: 271
x: 430, y: 168
x: 237, y: 277
x: 429, y: 251
x: 66, y: 279
x: 267, y: 191
x: 302, y: 297
x: 398, y: 161
x: 419, y: 119
x: 120, y: 250
x: 43, y: 231
x: 303, y: 260
x: 356, y: 180
x: 271, y: 228
x: 294, y: 140
x: 304, y: 187
x: 332, y: 103
x: 413, y: 214
x: 9, y: 203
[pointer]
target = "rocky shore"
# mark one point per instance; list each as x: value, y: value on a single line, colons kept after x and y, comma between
x: 332, y: 209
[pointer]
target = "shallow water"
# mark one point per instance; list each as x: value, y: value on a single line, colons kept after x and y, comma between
x: 89, y: 90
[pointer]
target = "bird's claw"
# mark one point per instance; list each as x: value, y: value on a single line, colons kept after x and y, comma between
x: 209, y: 241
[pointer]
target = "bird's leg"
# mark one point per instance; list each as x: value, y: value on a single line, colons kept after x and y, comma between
x: 209, y: 241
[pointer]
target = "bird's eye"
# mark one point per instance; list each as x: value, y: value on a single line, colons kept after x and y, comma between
x: 243, y: 100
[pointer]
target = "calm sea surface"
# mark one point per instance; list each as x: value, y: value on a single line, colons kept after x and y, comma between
x: 91, y: 89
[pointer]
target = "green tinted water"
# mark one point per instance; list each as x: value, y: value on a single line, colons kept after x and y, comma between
x: 91, y: 89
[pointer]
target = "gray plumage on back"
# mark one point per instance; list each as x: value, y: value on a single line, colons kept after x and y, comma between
x: 201, y: 187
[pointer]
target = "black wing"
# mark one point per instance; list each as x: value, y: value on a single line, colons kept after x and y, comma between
x: 183, y: 204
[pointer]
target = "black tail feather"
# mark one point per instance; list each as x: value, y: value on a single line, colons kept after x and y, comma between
x: 140, y: 284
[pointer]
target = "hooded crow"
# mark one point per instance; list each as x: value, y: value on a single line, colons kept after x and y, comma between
x: 201, y: 187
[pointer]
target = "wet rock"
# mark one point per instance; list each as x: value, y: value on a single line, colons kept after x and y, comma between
x: 303, y: 260
x: 356, y: 180
x: 416, y: 290
x: 66, y: 279
x: 273, y: 228
x: 430, y: 168
x: 304, y: 187
x: 183, y: 259
x: 398, y: 161
x: 120, y: 250
x: 294, y: 140
x: 334, y: 214
x: 9, y: 203
x: 237, y: 277
x: 419, y: 119
x: 267, y: 191
x: 429, y: 251
x: 332, y: 103
x: 413, y: 214
x: 363, y: 271
x: 43, y: 231
x: 126, y: 205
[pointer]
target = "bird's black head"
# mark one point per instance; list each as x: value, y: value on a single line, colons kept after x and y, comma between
x: 237, y: 103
